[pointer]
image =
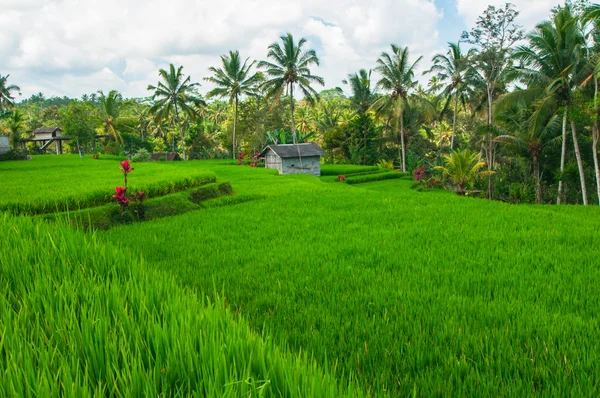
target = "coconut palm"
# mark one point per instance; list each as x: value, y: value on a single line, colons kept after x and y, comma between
x: 110, y: 109
x: 550, y: 66
x: 6, y: 93
x: 174, y: 94
x: 290, y: 68
x: 361, y: 99
x: 529, y: 129
x: 463, y: 168
x: 397, y: 78
x: 234, y: 80
x: 453, y: 71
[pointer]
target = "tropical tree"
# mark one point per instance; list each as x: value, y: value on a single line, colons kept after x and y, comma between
x: 528, y: 128
x: 110, y: 112
x: 463, y: 167
x: 234, y: 80
x: 290, y: 68
x: 397, y: 78
x: 494, y: 35
x: 361, y: 100
x: 455, y: 73
x: 175, y: 93
x: 550, y: 66
x: 6, y: 93
x: 15, y: 123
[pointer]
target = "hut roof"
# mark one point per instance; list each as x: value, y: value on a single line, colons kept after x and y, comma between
x: 291, y: 150
x: 168, y: 156
x: 45, y: 130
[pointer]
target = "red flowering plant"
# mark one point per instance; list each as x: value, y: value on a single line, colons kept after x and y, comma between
x: 341, y: 178
x: 255, y: 159
x: 240, y: 159
x: 419, y: 173
x: 137, y: 198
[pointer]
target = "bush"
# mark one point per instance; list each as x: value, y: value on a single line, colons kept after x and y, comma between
x: 12, y: 155
x: 374, y: 177
x: 142, y: 156
x: 211, y: 191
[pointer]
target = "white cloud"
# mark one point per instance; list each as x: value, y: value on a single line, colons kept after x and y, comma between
x: 531, y: 11
x: 72, y: 47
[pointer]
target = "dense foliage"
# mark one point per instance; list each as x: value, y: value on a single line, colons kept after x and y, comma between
x: 525, y: 102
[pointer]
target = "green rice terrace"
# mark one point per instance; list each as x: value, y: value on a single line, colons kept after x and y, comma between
x: 242, y: 282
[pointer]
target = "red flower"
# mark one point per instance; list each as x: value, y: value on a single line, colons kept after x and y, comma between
x: 126, y: 167
x: 120, y: 195
x: 141, y: 195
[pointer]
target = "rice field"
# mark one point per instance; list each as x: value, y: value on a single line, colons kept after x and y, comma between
x: 372, y: 289
x: 48, y: 184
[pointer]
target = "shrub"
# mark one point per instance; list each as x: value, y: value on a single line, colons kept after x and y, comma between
x: 374, y: 177
x: 211, y: 191
x: 142, y: 156
x: 13, y: 155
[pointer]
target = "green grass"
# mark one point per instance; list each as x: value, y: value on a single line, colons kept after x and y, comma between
x: 58, y: 183
x: 407, y: 291
x: 346, y: 169
x: 361, y: 179
x: 80, y: 318
x: 403, y: 292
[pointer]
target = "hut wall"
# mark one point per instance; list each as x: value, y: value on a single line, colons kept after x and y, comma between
x: 45, y: 136
x: 310, y: 165
x: 272, y: 161
x: 4, y: 144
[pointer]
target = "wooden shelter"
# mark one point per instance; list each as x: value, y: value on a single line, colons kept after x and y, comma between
x: 294, y: 158
x: 48, y: 135
x: 168, y: 156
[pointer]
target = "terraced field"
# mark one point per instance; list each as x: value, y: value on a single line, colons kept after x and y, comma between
x: 390, y: 291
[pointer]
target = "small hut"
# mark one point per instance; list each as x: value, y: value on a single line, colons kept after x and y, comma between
x: 4, y: 144
x: 167, y: 156
x: 294, y: 158
x: 47, y: 136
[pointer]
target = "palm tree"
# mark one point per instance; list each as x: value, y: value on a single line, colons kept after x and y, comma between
x: 174, y: 94
x: 290, y: 68
x: 397, y: 75
x: 15, y: 124
x: 463, y: 168
x: 233, y: 81
x: 361, y: 100
x: 550, y: 65
x: 528, y: 129
x: 592, y: 14
x: 453, y: 70
x: 6, y: 98
x: 113, y: 123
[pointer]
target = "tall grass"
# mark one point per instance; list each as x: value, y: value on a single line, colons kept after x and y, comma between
x: 346, y: 169
x: 49, y: 184
x: 82, y: 318
x: 424, y: 293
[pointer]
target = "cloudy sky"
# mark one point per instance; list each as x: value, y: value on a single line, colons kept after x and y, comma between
x: 73, y: 47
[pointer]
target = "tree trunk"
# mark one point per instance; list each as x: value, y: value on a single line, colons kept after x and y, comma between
x: 365, y: 134
x: 294, y: 136
x: 562, y: 157
x: 595, y: 136
x: 180, y: 133
x: 538, y: 182
x: 402, y: 139
x: 235, y: 113
x: 490, y: 154
x: 579, y: 164
x: 292, y: 108
x: 454, y: 124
